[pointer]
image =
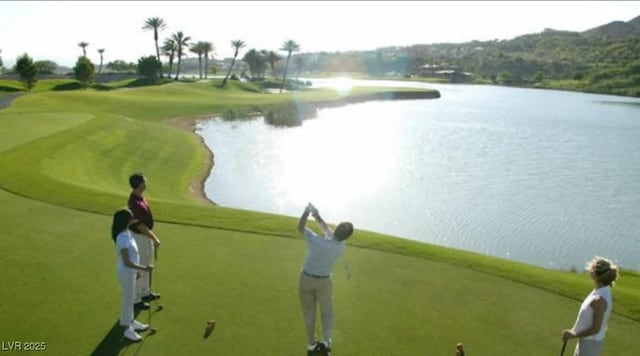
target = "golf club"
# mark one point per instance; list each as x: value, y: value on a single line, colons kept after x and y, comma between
x: 564, y: 345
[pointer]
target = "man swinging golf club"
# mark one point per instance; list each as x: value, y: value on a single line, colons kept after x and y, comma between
x: 315, y: 286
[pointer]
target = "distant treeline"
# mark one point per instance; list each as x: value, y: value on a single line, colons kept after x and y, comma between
x: 605, y: 59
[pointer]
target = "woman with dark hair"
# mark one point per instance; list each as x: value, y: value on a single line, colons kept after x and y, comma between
x: 128, y: 267
x: 594, y: 312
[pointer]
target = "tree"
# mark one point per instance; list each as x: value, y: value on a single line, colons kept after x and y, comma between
x: 26, y: 70
x: 272, y: 58
x: 169, y: 49
x: 257, y: 62
x: 182, y: 42
x: 46, y: 66
x: 155, y: 24
x: 1, y: 64
x: 121, y: 66
x: 237, y: 45
x: 207, y: 47
x: 290, y: 46
x: 300, y: 62
x: 149, y: 67
x: 84, y: 46
x: 101, y: 51
x: 198, y: 50
x: 84, y: 71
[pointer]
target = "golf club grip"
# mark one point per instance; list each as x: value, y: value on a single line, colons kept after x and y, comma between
x: 564, y: 345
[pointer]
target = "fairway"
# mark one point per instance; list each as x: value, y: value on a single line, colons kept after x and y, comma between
x: 65, y: 159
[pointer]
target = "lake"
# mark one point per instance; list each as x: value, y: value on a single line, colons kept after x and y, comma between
x: 544, y: 177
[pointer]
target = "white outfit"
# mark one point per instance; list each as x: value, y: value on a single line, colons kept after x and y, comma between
x: 126, y: 275
x: 591, y: 345
x: 145, y: 251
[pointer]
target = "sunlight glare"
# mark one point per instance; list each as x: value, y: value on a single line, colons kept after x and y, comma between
x: 342, y: 85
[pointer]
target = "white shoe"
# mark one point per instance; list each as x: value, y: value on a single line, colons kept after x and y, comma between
x: 132, y: 335
x: 138, y: 326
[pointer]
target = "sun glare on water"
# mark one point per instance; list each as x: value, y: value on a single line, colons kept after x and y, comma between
x: 330, y: 160
x: 342, y: 85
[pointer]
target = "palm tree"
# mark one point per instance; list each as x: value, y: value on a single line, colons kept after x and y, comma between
x: 237, y: 44
x: 197, y: 49
x: 290, y: 46
x: 272, y: 58
x: 182, y: 42
x: 169, y: 48
x: 155, y: 24
x: 101, y: 51
x: 84, y: 48
x: 207, y: 47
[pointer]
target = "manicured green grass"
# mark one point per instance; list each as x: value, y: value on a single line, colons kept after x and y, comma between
x: 65, y: 158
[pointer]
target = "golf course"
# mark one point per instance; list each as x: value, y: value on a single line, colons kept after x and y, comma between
x: 65, y: 160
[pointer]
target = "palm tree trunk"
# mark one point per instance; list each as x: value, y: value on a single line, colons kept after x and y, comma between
x: 233, y: 61
x: 200, y: 64
x: 286, y: 67
x: 206, y: 64
x: 179, y: 62
x: 158, y: 50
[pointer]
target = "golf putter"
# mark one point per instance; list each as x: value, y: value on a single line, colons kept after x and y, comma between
x: 564, y: 345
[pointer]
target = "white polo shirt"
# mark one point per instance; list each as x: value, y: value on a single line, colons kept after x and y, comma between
x: 585, y: 315
x: 126, y: 241
x: 322, y: 252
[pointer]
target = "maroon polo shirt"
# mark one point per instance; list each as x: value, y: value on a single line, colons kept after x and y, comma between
x: 141, y: 211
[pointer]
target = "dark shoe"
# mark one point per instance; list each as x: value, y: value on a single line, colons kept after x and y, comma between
x: 317, y: 351
x: 141, y: 306
x: 150, y: 297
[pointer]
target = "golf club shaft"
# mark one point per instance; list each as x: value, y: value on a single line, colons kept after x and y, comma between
x: 564, y: 345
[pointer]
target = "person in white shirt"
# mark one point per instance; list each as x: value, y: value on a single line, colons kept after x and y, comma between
x: 128, y: 267
x: 591, y: 323
x: 315, y: 286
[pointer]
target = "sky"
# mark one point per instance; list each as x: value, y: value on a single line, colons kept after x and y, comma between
x: 52, y: 29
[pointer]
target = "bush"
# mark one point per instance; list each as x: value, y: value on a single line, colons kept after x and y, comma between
x: 84, y: 71
x: 149, y: 67
x: 289, y: 115
x: 233, y: 114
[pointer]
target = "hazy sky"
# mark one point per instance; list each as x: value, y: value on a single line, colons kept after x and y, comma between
x: 52, y: 29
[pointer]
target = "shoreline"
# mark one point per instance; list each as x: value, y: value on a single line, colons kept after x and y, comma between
x: 196, y: 186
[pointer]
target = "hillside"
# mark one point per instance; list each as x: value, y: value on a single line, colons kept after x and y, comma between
x: 604, y: 59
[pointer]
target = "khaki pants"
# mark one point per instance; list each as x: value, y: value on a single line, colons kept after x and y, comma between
x: 315, y: 291
x: 145, y: 253
x: 587, y: 347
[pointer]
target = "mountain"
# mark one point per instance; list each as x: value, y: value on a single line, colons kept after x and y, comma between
x: 635, y: 22
x: 616, y: 29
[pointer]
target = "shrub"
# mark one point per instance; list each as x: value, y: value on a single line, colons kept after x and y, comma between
x: 149, y: 67
x: 84, y: 71
x: 289, y: 115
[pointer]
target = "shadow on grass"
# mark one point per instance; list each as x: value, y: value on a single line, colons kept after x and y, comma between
x: 67, y: 86
x: 9, y: 89
x: 114, y: 342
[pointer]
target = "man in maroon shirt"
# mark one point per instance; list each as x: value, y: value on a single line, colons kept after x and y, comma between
x: 146, y: 240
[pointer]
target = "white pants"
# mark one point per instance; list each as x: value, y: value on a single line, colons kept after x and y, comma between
x: 586, y: 347
x: 145, y: 252
x: 127, y: 278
